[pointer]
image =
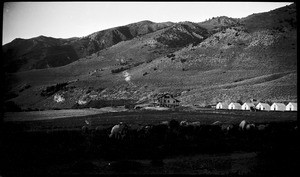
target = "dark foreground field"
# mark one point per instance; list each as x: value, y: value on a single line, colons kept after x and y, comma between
x: 64, y: 146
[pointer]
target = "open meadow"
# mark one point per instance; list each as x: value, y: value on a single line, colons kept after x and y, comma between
x: 81, y: 144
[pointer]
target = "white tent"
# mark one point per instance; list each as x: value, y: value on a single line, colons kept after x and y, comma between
x: 291, y: 107
x: 277, y: 107
x: 247, y: 106
x: 234, y: 106
x: 222, y: 106
x: 263, y: 106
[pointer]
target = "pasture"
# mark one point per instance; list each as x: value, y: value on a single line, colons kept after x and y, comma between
x: 75, y: 119
x: 81, y: 145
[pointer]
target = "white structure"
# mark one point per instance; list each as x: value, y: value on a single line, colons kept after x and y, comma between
x: 58, y: 98
x: 277, y: 107
x: 222, y: 106
x: 263, y: 106
x: 247, y: 106
x: 291, y: 107
x: 234, y: 106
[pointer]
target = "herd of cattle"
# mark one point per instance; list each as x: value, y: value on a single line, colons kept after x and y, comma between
x: 186, y: 131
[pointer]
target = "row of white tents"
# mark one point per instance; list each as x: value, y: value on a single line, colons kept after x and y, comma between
x: 260, y: 106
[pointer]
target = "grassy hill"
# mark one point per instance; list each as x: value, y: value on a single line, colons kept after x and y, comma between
x: 45, y: 52
x: 222, y: 59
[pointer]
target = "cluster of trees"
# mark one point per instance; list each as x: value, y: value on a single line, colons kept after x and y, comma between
x: 53, y: 89
x: 118, y: 70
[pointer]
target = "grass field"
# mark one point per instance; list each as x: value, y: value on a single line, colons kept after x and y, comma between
x: 60, y: 146
x: 75, y: 119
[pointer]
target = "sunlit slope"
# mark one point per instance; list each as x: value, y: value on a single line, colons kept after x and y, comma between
x: 197, y: 64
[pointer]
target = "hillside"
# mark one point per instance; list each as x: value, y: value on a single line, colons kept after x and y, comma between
x: 217, y: 24
x: 46, y: 52
x: 222, y: 59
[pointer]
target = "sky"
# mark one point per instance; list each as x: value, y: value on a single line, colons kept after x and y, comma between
x: 77, y: 19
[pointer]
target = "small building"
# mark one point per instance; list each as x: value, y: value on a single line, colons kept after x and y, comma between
x: 167, y: 100
x: 263, y: 106
x: 222, y: 106
x: 277, y: 107
x: 234, y: 106
x: 291, y: 107
x: 247, y: 106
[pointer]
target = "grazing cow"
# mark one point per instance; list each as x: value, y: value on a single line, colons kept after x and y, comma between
x: 246, y: 126
x: 84, y: 129
x: 158, y: 132
x: 250, y: 127
x: 165, y: 123
x: 195, y: 124
x: 144, y: 131
x: 262, y: 127
x: 216, y: 123
x: 173, y: 124
x: 119, y: 131
x: 242, y: 125
x: 227, y: 127
x: 135, y: 131
x: 183, y: 123
x: 188, y: 130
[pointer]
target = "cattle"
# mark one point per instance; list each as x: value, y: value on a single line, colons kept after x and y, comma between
x: 84, y: 129
x: 173, y: 124
x: 183, y: 123
x: 135, y: 131
x: 242, y: 125
x: 144, y: 131
x: 165, y: 122
x: 226, y: 127
x: 250, y: 127
x: 195, y: 124
x: 119, y: 131
x: 188, y: 130
x: 216, y: 123
x: 87, y: 126
x: 245, y: 126
x: 262, y: 127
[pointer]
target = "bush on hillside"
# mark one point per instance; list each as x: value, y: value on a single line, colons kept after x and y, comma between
x: 171, y: 55
x: 118, y: 70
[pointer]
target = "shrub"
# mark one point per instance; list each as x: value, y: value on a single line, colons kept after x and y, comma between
x: 149, y: 60
x: 182, y: 60
x: 170, y: 55
x: 26, y: 86
x: 118, y: 70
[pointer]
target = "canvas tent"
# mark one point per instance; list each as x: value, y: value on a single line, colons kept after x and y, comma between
x: 247, y: 106
x: 291, y: 107
x: 234, y: 106
x: 222, y: 106
x: 263, y: 106
x: 277, y: 107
